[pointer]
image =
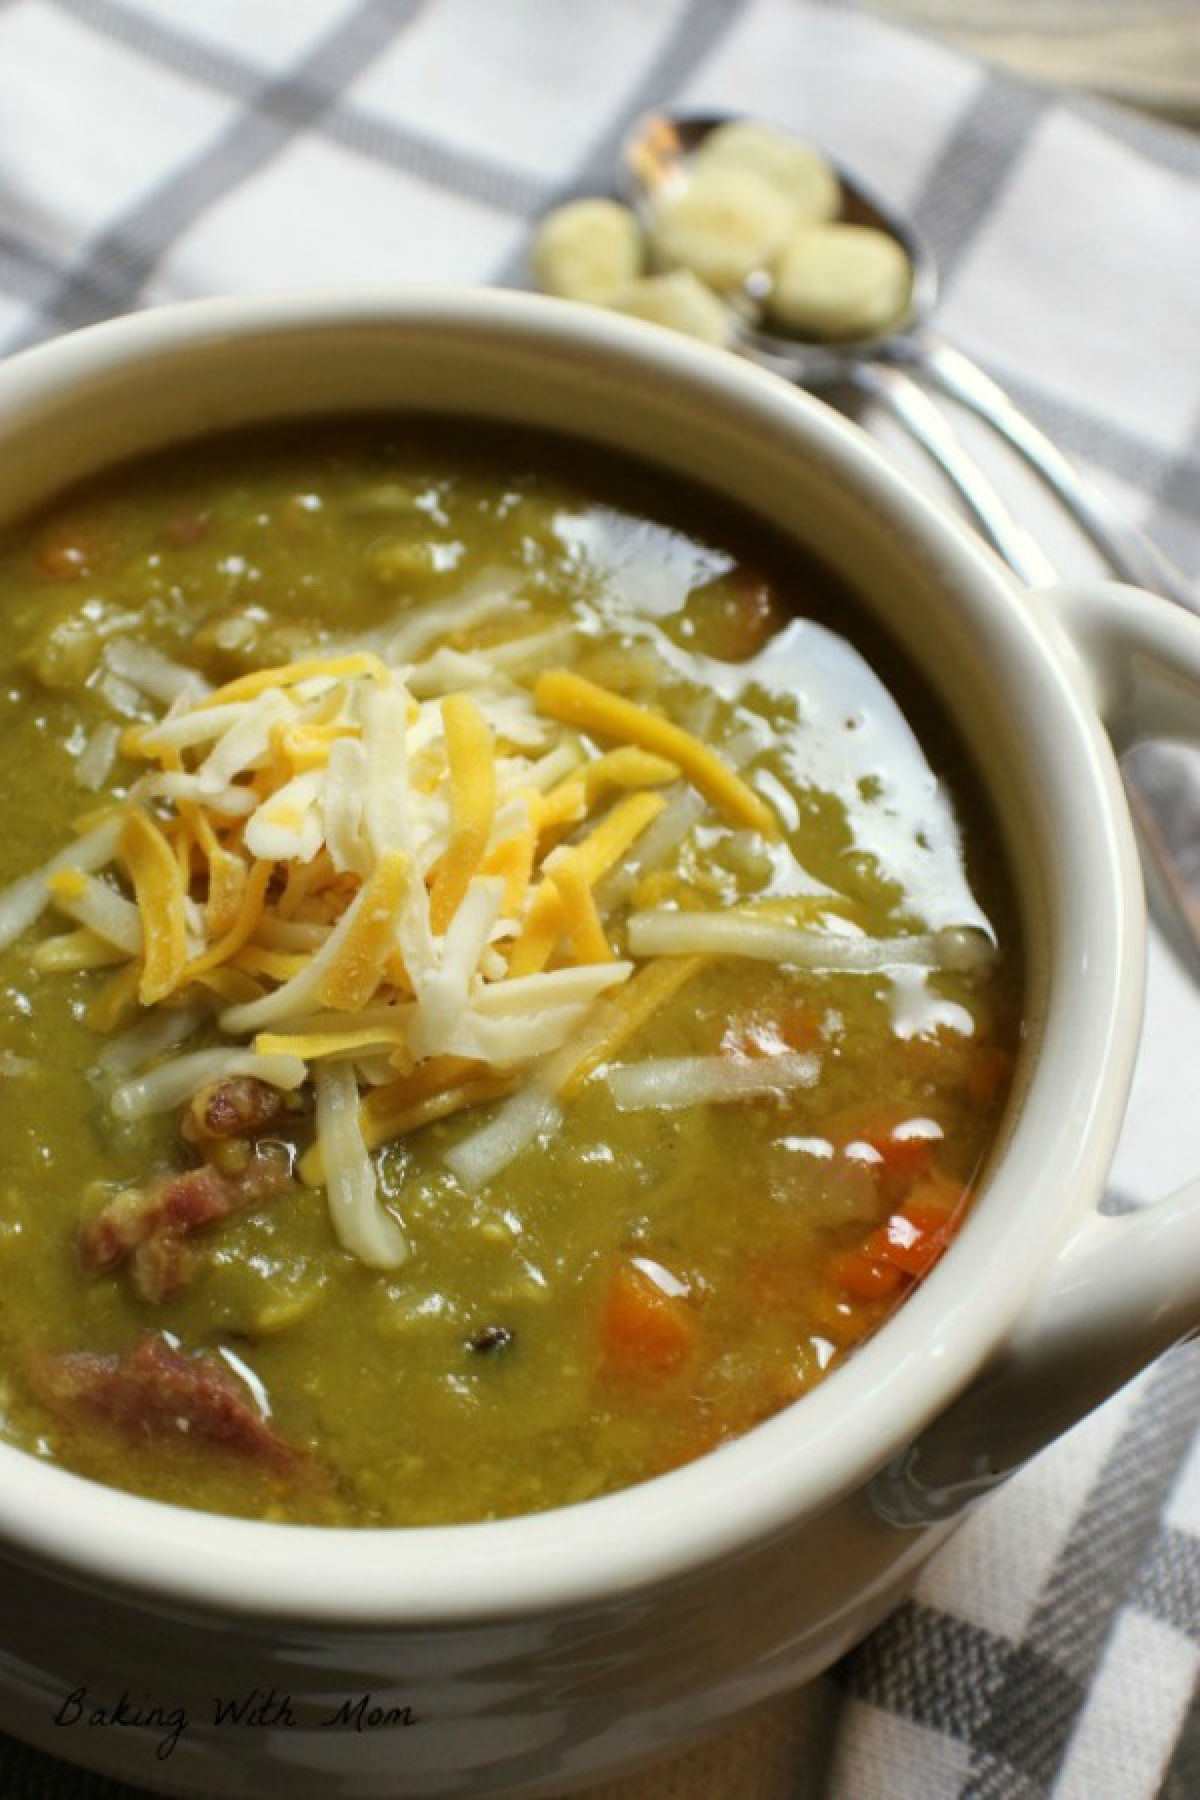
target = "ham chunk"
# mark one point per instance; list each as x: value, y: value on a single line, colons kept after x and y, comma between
x: 150, y: 1227
x: 155, y: 1391
x: 240, y: 1106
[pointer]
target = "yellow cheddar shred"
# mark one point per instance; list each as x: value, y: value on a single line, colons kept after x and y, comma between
x: 564, y: 902
x: 81, y: 949
x: 182, y: 837
x: 540, y: 932
x: 626, y: 767
x: 67, y: 884
x: 303, y: 880
x: 565, y: 804
x: 628, y: 1010
x: 303, y: 747
x: 249, y: 687
x: 226, y: 880
x: 430, y: 1077
x: 472, y: 770
x: 580, y: 919
x: 232, y: 987
x: 435, y: 1089
x: 381, y: 1128
x: 512, y: 861
x: 608, y: 841
x: 241, y: 928
x: 356, y: 974
x: 159, y: 892
x: 573, y: 700
x: 313, y: 1044
x: 276, y: 965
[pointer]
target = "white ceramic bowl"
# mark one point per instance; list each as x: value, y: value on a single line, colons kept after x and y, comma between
x: 533, y: 1654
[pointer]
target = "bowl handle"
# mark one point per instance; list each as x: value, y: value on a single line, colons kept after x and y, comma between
x: 1140, y: 655
x: 1125, y: 1288
x: 1120, y: 1292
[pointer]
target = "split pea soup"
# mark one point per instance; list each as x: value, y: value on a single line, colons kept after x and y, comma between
x: 507, y: 980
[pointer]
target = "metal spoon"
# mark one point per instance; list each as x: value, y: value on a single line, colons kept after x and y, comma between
x: 654, y: 160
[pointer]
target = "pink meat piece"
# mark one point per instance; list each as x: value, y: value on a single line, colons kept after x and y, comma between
x: 150, y: 1226
x: 154, y: 1390
x: 237, y: 1107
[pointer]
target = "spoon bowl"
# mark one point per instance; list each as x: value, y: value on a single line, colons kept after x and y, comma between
x: 654, y: 162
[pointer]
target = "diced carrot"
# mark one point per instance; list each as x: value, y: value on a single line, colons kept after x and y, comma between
x: 910, y: 1247
x: 867, y: 1277
x: 915, y: 1236
x: 896, y: 1136
x: 645, y: 1334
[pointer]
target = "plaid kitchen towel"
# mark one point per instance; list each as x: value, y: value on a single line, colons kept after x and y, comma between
x: 158, y: 149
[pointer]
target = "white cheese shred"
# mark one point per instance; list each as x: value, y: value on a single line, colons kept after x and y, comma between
x: 514, y: 1126
x: 764, y: 939
x: 95, y: 762
x: 152, y: 1036
x: 671, y: 1082
x: 106, y: 912
x: 24, y: 901
x: 156, y: 675
x: 174, y: 1083
x: 363, y: 1225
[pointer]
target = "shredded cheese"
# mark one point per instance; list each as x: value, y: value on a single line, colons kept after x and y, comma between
x: 326, y: 668
x: 252, y: 893
x: 99, y: 907
x: 159, y: 892
x: 576, y: 701
x: 517, y: 1122
x: 472, y: 770
x: 24, y: 901
x: 405, y: 884
x: 649, y: 989
x: 363, y: 1225
x: 764, y: 939
x: 672, y: 1082
x: 358, y: 968
x: 579, y: 914
x: 174, y: 1083
x: 82, y: 949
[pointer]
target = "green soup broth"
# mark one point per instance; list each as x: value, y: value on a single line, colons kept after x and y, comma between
x: 643, y: 1279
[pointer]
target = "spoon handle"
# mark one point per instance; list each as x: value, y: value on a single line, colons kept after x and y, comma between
x: 890, y: 387
x: 1129, y: 551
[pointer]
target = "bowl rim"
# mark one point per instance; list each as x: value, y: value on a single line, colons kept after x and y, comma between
x: 800, y: 1462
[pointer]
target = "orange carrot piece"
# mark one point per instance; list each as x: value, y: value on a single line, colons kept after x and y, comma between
x: 866, y: 1277
x: 902, y: 1153
x: 645, y: 1334
x: 925, y: 1224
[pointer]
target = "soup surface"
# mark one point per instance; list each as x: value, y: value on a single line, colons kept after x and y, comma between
x: 496, y: 998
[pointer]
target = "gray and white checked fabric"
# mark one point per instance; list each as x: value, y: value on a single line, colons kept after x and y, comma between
x: 157, y: 149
